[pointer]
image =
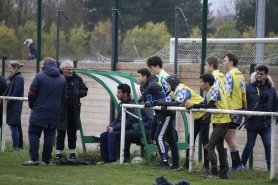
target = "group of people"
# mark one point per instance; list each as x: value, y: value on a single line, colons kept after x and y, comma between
x: 221, y: 91
x: 156, y: 88
x: 48, y: 88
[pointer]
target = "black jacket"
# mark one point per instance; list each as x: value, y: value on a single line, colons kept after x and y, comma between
x: 152, y: 87
x: 254, y: 93
x: 79, y: 91
x: 14, y: 108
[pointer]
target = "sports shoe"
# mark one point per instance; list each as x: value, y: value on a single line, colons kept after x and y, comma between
x: 223, y: 174
x: 210, y: 176
x: 203, y: 170
x: 116, y: 162
x: 73, y: 161
x: 162, y: 165
x: 239, y: 168
x: 45, y: 164
x: 102, y: 163
x: 92, y: 163
x: 31, y: 163
x: 175, y: 167
x: 58, y: 161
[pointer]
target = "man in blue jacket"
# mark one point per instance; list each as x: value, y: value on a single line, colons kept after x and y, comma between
x: 257, y: 90
x: 107, y: 149
x: 134, y: 135
x: 46, y: 93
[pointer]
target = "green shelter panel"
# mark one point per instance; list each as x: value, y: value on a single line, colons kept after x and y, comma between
x: 111, y: 85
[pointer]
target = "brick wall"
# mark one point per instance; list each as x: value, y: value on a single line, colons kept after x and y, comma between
x: 95, y: 107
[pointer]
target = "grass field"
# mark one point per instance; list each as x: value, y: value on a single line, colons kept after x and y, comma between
x: 13, y: 172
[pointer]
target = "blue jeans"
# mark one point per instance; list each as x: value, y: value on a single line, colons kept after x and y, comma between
x: 265, y: 134
x: 15, y: 135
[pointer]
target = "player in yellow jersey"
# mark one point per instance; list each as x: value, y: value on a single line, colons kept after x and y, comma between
x: 235, y: 88
x: 211, y: 67
x: 214, y: 98
x: 181, y: 94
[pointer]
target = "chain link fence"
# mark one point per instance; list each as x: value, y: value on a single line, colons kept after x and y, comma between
x: 145, y: 28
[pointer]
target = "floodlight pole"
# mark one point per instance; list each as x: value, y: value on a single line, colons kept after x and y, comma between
x: 114, y: 51
x: 58, y: 35
x: 39, y: 36
x: 260, y: 30
x: 177, y: 10
x: 204, y: 53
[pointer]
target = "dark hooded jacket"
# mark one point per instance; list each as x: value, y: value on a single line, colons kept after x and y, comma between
x: 254, y: 93
x: 79, y: 90
x: 152, y: 87
x: 14, y: 108
x: 147, y: 116
x: 116, y: 124
x: 47, y: 92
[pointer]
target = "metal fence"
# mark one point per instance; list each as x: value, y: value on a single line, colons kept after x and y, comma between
x: 191, y: 145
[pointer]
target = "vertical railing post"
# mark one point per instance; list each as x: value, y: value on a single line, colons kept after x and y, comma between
x: 3, y: 128
x: 273, y: 147
x: 191, y: 143
x: 123, y: 123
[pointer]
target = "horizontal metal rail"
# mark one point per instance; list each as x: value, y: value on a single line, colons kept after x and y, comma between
x: 191, y: 122
x: 4, y: 113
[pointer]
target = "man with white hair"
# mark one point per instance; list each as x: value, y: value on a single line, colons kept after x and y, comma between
x: 70, y: 112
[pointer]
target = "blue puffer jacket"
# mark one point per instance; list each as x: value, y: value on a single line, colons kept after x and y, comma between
x: 14, y: 108
x: 147, y: 116
x: 116, y: 124
x: 254, y: 92
x: 45, y: 97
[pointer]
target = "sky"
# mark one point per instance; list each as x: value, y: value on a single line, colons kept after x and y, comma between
x: 222, y: 7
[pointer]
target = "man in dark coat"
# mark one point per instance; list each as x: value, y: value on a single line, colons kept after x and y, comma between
x: 70, y: 112
x: 47, y: 92
x: 107, y: 149
x: 261, y: 86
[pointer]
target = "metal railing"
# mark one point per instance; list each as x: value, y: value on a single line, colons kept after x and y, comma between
x: 191, y: 122
x: 4, y: 113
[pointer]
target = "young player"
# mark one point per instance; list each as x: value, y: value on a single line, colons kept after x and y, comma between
x: 236, y: 94
x: 152, y: 92
x: 181, y: 94
x: 214, y: 98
